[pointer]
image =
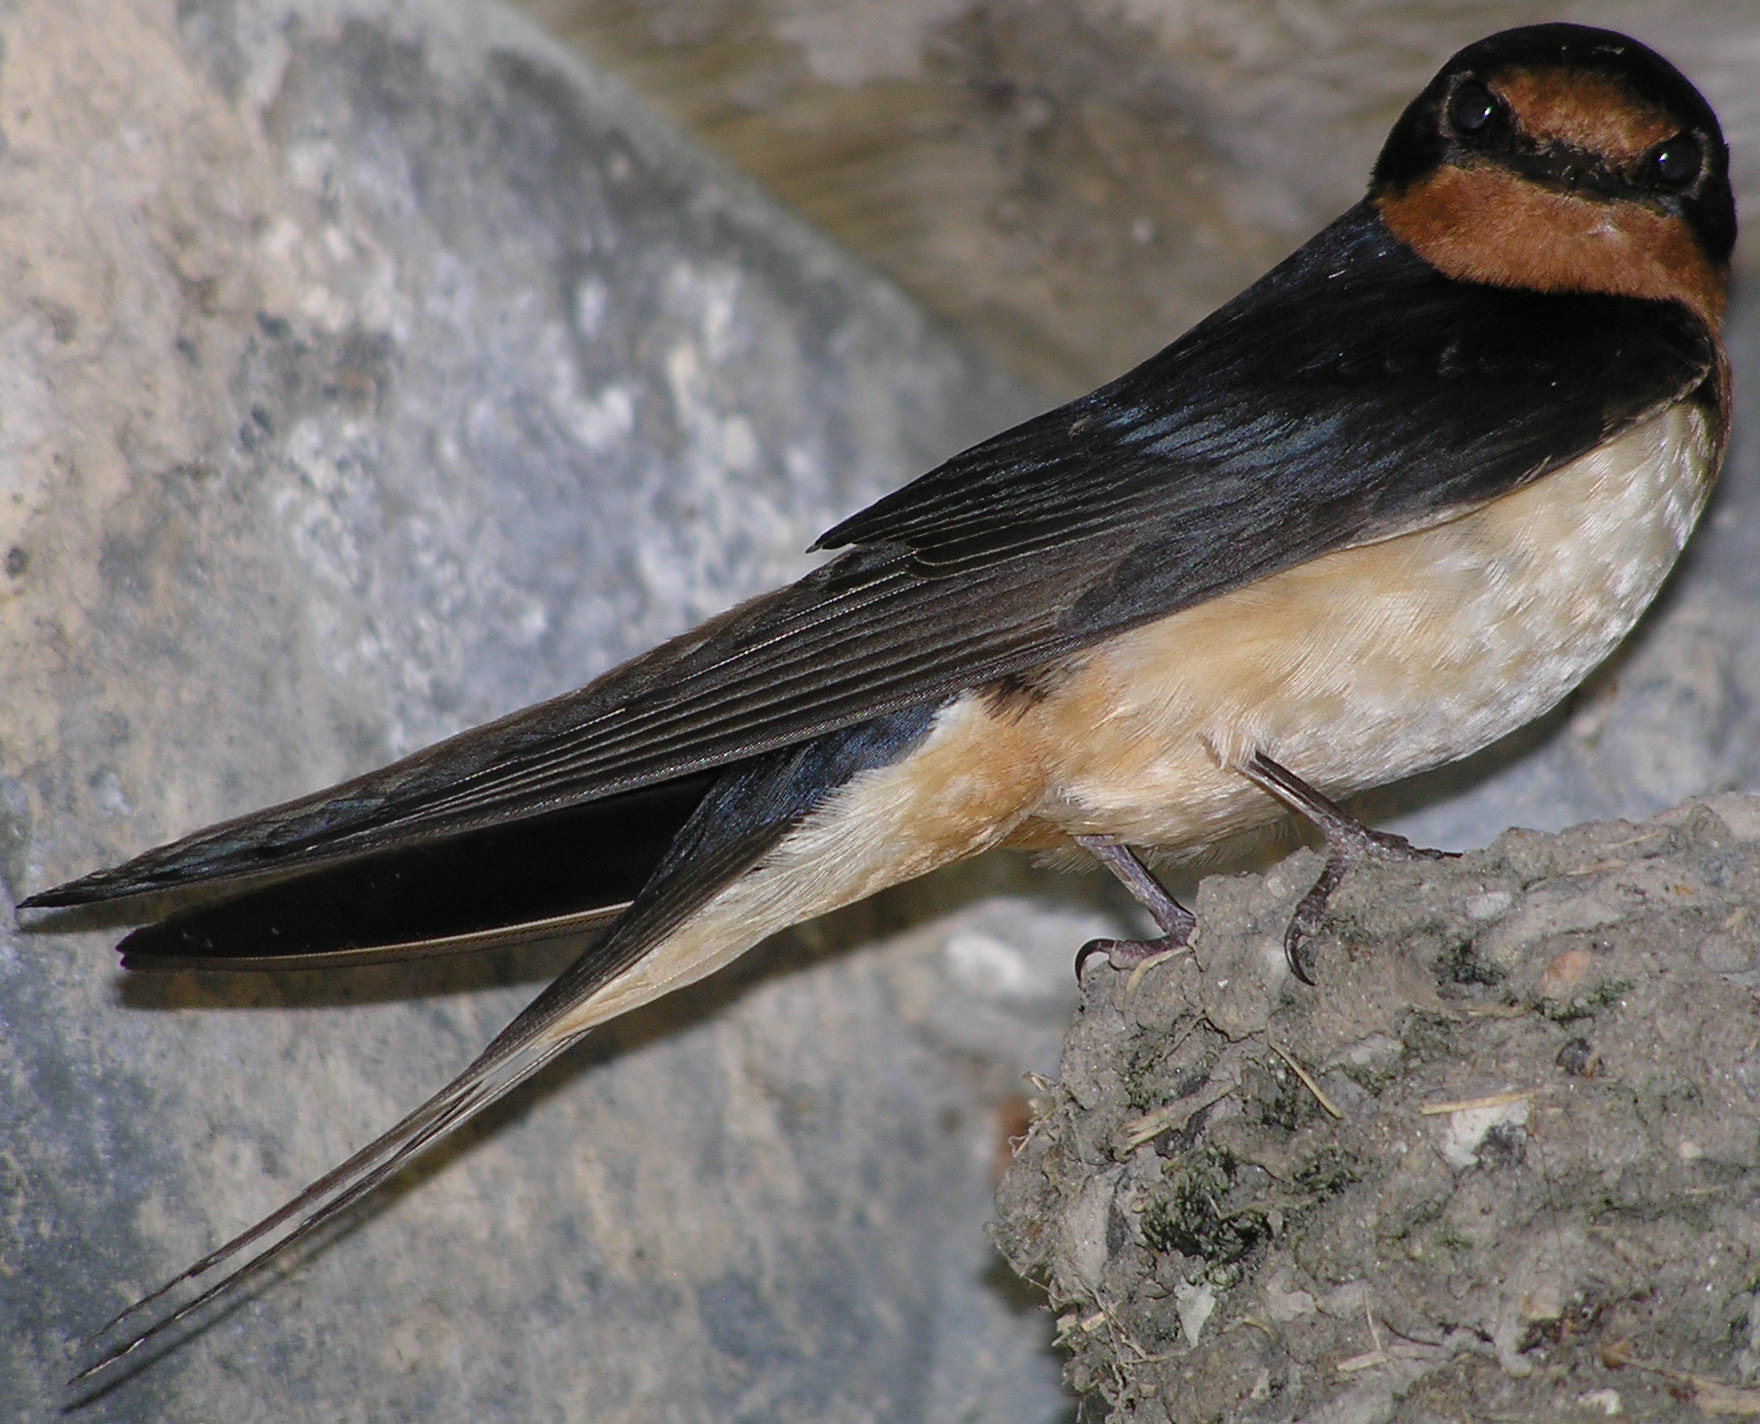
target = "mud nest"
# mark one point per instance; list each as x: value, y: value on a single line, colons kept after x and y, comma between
x: 1500, y: 1164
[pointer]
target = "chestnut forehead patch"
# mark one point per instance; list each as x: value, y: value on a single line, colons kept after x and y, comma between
x: 1588, y: 111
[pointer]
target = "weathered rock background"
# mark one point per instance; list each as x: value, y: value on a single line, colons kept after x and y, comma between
x: 369, y: 370
x: 372, y: 367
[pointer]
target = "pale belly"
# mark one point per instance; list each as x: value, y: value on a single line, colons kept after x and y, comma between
x: 1372, y: 663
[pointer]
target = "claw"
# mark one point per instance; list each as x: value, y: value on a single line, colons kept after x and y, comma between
x: 1348, y: 844
x: 1175, y: 920
x: 1127, y: 954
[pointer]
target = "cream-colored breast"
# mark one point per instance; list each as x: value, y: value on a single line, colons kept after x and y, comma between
x: 1379, y: 661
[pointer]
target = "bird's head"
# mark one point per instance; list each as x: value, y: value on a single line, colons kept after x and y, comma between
x: 1564, y: 158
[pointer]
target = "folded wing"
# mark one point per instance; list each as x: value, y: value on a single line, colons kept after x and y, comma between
x: 1351, y: 394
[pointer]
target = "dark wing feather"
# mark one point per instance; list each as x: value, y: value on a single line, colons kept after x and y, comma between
x: 562, y: 875
x: 1351, y: 393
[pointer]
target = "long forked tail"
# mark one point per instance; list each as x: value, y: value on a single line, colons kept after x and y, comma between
x: 516, y: 1053
x: 749, y: 808
x: 544, y: 1029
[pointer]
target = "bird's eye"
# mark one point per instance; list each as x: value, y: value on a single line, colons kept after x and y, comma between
x: 1472, y: 108
x: 1675, y: 162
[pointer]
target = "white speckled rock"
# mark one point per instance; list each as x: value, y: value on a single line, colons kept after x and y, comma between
x: 366, y: 370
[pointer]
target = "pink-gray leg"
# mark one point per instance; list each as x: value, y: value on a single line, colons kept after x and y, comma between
x: 1175, y: 920
x: 1348, y: 844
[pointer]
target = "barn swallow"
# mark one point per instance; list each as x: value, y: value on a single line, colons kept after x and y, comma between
x: 1390, y: 503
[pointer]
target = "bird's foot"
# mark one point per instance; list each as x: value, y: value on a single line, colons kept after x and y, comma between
x: 1348, y: 844
x: 1175, y: 920
x: 1130, y: 953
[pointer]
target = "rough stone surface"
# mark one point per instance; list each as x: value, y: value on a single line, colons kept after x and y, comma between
x: 366, y: 370
x: 1503, y: 1163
